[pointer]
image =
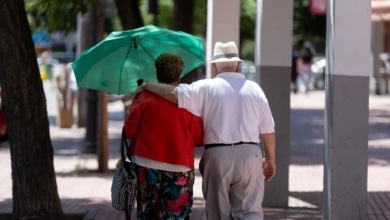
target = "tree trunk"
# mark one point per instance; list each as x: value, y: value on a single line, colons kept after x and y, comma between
x: 24, y: 104
x: 129, y: 14
x: 182, y: 21
x: 102, y: 102
x: 183, y: 15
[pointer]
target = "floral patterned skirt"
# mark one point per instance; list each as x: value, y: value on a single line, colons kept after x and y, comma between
x: 163, y: 194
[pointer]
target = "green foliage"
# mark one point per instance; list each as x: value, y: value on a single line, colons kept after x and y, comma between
x: 148, y: 17
x: 165, y: 13
x: 248, y: 19
x: 247, y: 28
x: 62, y: 15
x: 56, y: 14
x: 116, y: 23
x: 247, y: 49
x: 200, y: 18
x: 306, y: 26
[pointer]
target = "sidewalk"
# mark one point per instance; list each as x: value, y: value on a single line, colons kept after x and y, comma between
x: 307, y: 150
x: 81, y: 191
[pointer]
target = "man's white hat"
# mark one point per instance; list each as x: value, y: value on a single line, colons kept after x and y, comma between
x: 225, y: 52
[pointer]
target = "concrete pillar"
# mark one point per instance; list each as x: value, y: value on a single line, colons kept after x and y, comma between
x: 223, y: 24
x: 273, y: 73
x: 346, y: 113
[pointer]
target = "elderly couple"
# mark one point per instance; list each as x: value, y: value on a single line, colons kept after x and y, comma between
x: 227, y: 114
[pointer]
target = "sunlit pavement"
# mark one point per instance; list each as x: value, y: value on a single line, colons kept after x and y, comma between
x: 80, y: 189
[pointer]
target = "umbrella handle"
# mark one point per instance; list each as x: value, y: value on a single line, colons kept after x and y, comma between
x: 140, y: 81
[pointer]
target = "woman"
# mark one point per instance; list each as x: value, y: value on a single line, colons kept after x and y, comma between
x: 163, y: 140
x: 305, y: 60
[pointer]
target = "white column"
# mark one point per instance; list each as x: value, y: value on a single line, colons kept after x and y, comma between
x: 346, y: 113
x: 223, y: 24
x: 273, y: 66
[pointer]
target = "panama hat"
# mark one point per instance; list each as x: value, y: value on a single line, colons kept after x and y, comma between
x: 225, y: 52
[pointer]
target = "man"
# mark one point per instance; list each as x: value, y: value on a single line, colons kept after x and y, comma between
x: 235, y: 113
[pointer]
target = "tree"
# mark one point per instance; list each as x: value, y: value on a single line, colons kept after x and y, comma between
x: 92, y: 22
x: 56, y: 15
x: 129, y: 13
x: 24, y: 104
x: 247, y: 28
x: 307, y: 26
x: 183, y: 18
x: 35, y: 189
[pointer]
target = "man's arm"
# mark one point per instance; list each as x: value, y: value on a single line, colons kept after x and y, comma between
x: 269, y: 166
x: 166, y: 91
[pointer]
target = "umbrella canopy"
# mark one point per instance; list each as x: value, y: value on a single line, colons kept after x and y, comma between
x: 116, y: 63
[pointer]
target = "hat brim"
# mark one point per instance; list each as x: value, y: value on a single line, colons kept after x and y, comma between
x: 221, y: 60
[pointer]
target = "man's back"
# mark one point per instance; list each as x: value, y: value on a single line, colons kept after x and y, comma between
x: 231, y: 108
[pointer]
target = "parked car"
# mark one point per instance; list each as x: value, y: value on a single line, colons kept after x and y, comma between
x: 318, y: 69
x: 248, y: 68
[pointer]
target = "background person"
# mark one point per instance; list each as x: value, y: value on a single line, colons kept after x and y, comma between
x: 235, y: 113
x: 305, y: 60
x: 163, y: 139
x: 294, y: 70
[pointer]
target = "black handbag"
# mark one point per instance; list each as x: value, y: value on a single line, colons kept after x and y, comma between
x: 124, y: 183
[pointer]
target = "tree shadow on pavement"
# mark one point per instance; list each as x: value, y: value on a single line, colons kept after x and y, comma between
x: 95, y: 208
x: 307, y: 140
x: 379, y: 137
x: 307, y: 137
x: 102, y: 207
x: 302, y: 205
x: 292, y: 214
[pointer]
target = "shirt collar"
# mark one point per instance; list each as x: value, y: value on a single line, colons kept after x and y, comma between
x: 231, y: 75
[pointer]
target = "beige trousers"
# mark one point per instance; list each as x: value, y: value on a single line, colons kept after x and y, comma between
x: 233, y: 183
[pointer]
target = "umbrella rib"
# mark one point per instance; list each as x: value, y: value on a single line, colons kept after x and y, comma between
x: 136, y: 52
x: 127, y: 55
x: 139, y: 64
x: 146, y: 51
x: 165, y: 43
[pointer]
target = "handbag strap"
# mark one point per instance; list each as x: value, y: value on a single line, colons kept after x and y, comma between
x: 125, y: 149
x: 127, y: 212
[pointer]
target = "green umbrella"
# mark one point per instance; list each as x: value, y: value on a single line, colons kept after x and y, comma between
x: 116, y: 63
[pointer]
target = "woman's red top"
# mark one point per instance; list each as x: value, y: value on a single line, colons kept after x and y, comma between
x: 161, y: 131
